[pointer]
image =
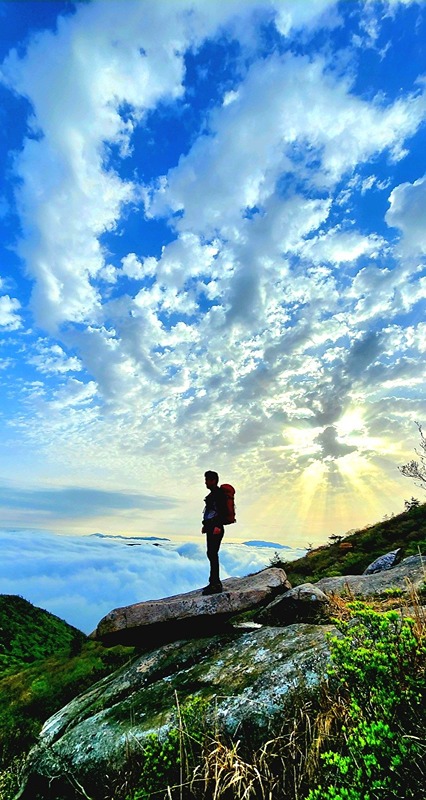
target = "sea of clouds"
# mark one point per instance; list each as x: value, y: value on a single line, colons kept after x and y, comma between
x: 82, y: 578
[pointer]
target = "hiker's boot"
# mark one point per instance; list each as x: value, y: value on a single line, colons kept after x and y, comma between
x: 212, y: 588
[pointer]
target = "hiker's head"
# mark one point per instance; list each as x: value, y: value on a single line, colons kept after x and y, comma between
x: 211, y: 479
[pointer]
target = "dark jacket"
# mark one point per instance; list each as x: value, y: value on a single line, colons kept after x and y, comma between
x: 215, y: 509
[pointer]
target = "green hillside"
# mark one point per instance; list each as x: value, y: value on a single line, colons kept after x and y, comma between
x: 29, y: 634
x: 352, y: 553
x: 31, y: 695
x: 44, y: 663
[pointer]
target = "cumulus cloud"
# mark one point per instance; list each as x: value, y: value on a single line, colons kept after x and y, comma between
x: 407, y: 212
x: 80, y: 579
x: 9, y: 317
x: 250, y: 142
x: 53, y: 359
x: 70, y: 193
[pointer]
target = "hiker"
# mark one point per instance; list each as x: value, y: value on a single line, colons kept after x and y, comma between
x: 214, y: 518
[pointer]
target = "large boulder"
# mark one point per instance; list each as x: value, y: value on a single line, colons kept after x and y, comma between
x: 305, y: 603
x: 310, y: 602
x: 251, y: 678
x: 190, y: 614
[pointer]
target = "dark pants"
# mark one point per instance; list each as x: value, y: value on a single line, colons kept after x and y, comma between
x: 213, y: 545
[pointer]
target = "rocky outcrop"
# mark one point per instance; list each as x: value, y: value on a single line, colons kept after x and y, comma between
x: 309, y: 602
x: 250, y: 677
x: 306, y: 603
x: 409, y: 573
x: 189, y: 614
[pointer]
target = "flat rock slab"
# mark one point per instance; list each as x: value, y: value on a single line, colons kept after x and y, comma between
x: 183, y: 614
x: 409, y: 573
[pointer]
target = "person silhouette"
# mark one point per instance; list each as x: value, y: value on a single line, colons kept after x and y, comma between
x: 214, y: 516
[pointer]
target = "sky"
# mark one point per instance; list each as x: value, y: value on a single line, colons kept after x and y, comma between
x: 212, y: 256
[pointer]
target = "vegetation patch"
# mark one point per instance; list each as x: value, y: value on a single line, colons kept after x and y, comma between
x: 407, y: 531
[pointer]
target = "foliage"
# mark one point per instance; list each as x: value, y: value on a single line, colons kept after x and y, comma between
x: 378, y: 669
x: 168, y: 757
x: 361, y: 739
x: 10, y: 779
x: 358, y: 549
x: 410, y: 504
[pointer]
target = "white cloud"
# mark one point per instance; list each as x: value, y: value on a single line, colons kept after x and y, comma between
x: 340, y: 246
x: 73, y: 393
x: 81, y: 579
x: 53, y: 359
x: 97, y: 61
x: 69, y: 196
x: 407, y: 213
x: 9, y: 317
x: 304, y: 15
x: 268, y: 131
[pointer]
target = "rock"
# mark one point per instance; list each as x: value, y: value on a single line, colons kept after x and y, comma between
x: 410, y: 572
x: 190, y: 614
x: 251, y: 679
x: 304, y: 603
x: 384, y: 562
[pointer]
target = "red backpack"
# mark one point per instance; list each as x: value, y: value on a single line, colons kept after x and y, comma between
x: 230, y: 503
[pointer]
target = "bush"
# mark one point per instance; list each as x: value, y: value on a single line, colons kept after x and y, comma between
x: 378, y: 671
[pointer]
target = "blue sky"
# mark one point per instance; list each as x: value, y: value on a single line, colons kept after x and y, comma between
x: 212, y: 257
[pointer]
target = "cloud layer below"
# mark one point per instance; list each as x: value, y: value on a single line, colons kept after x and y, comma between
x: 80, y: 579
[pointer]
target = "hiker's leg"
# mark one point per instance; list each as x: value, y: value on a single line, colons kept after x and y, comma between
x: 213, y: 545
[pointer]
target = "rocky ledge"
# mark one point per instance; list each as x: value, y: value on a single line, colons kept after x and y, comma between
x: 253, y: 678
x: 189, y: 614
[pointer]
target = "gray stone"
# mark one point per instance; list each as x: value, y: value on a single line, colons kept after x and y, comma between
x: 409, y: 573
x: 387, y: 561
x: 191, y: 613
x: 304, y: 603
x: 251, y: 678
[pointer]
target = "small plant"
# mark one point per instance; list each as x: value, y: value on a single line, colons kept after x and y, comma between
x: 392, y: 591
x: 170, y: 758
x: 411, y: 504
x: 10, y: 778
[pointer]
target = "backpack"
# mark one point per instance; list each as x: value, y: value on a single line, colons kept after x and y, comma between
x: 229, y: 492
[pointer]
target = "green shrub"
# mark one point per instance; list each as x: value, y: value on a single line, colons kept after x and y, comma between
x: 378, y: 669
